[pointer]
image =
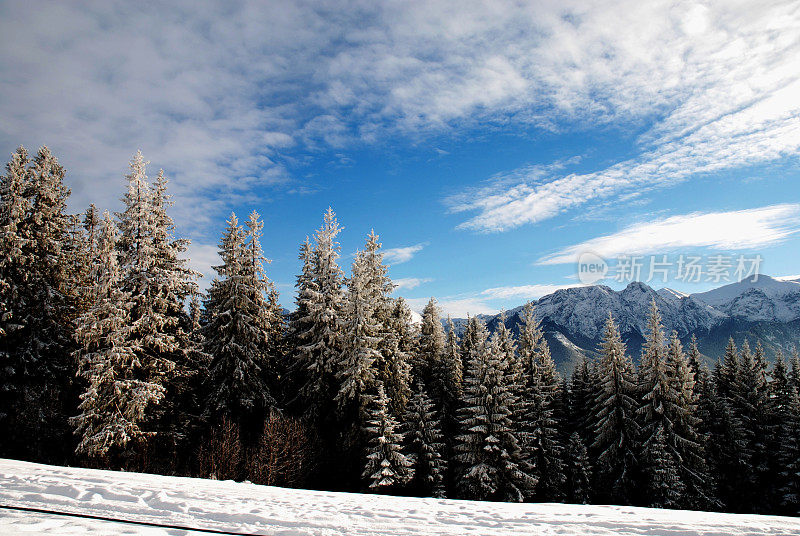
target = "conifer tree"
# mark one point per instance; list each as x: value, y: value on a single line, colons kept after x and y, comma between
x: 114, y: 405
x: 491, y: 465
x: 664, y: 485
x: 425, y: 444
x: 37, y: 302
x: 428, y: 365
x: 322, y: 299
x: 236, y: 336
x: 387, y: 469
x: 357, y: 372
x: 615, y: 429
x: 399, y: 345
x: 156, y: 283
x: 539, y: 392
x: 577, y: 471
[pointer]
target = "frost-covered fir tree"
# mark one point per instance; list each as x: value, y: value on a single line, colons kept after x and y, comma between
x: 319, y: 346
x: 615, y: 429
x: 686, y: 443
x: 452, y: 377
x: 114, y: 405
x: 37, y: 300
x: 156, y: 282
x: 489, y: 457
x: 538, y: 422
x: 236, y: 333
x: 582, y: 394
x: 387, y: 469
x: 428, y: 365
x: 398, y: 348
x: 664, y: 485
x: 357, y: 370
x: 425, y: 445
x: 578, y: 470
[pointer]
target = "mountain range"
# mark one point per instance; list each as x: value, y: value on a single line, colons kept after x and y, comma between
x: 760, y: 308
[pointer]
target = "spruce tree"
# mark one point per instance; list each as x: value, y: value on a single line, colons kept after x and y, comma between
x: 578, y: 471
x: 425, y: 445
x: 322, y: 299
x: 37, y: 303
x: 615, y: 428
x: 235, y: 334
x: 114, y: 405
x: 491, y: 464
x: 539, y: 393
x: 156, y: 282
x: 387, y: 469
x: 428, y: 364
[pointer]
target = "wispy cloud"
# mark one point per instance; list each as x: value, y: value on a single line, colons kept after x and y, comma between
x: 525, y: 292
x: 408, y: 283
x: 202, y: 259
x: 734, y: 230
x: 726, y: 95
x: 402, y: 254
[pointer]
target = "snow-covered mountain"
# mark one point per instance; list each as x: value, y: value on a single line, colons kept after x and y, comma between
x: 762, y: 308
x: 761, y: 298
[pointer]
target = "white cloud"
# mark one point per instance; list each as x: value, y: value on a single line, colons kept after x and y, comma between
x: 526, y: 292
x: 734, y: 230
x: 401, y: 255
x: 202, y: 258
x: 221, y: 96
x: 455, y: 307
x: 408, y: 283
x: 724, y: 82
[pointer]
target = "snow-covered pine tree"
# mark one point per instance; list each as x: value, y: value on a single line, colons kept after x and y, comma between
x: 428, y: 364
x: 789, y: 456
x: 156, y: 282
x: 664, y: 484
x: 615, y: 429
x: 114, y: 405
x: 751, y: 409
x: 539, y: 396
x: 387, y: 469
x: 578, y: 471
x: 582, y: 394
x: 398, y: 348
x: 489, y: 457
x: 38, y: 303
x: 425, y: 444
x: 300, y: 328
x: 235, y: 336
x: 707, y: 403
x: 452, y: 380
x: 320, y: 344
x: 14, y: 208
x: 356, y: 372
x: 726, y: 438
x: 657, y: 412
x: 687, y: 445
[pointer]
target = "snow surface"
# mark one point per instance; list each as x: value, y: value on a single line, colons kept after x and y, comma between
x: 251, y: 509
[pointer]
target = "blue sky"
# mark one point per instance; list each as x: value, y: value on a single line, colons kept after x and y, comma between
x: 487, y: 143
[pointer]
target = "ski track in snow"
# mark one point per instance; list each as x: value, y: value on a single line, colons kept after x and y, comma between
x: 252, y: 509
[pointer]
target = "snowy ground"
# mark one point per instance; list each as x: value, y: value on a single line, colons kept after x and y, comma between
x: 250, y: 509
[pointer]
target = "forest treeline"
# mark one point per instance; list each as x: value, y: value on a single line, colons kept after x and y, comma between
x: 110, y: 357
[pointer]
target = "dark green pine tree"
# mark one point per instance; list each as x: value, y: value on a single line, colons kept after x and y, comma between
x: 426, y: 448
x: 665, y: 487
x: 615, y: 429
